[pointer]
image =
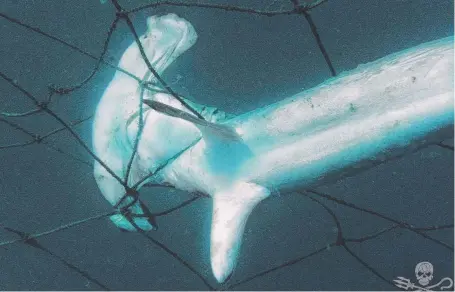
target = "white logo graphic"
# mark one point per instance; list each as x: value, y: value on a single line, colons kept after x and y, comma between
x: 424, y: 273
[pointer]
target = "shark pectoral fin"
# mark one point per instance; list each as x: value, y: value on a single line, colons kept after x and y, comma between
x: 231, y: 208
x: 209, y: 130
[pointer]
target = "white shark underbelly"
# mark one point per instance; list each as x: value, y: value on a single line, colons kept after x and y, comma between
x: 363, y: 117
x: 368, y: 115
x: 376, y: 112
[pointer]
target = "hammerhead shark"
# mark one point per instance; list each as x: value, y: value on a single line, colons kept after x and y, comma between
x: 355, y: 121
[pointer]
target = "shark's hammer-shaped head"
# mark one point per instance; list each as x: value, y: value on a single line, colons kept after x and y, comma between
x: 116, y: 121
x: 210, y: 166
x: 165, y: 39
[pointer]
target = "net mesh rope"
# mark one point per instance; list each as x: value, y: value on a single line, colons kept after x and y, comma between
x: 357, y: 253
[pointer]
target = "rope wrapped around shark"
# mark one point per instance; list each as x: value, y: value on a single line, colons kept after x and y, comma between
x: 374, y: 113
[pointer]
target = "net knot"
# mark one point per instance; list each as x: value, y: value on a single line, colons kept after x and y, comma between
x: 58, y: 90
x: 301, y: 8
x: 42, y: 105
x: 38, y: 139
x: 129, y: 193
x: 121, y: 13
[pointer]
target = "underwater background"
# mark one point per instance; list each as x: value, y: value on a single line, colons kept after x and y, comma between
x: 240, y: 62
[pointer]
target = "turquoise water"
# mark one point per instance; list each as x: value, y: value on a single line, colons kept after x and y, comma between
x: 240, y: 62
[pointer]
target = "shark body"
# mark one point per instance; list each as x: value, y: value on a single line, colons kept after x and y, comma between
x: 355, y: 121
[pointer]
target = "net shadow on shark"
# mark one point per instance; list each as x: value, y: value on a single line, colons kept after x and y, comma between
x: 361, y: 118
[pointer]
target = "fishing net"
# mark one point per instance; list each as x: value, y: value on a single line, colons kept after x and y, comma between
x: 360, y: 233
